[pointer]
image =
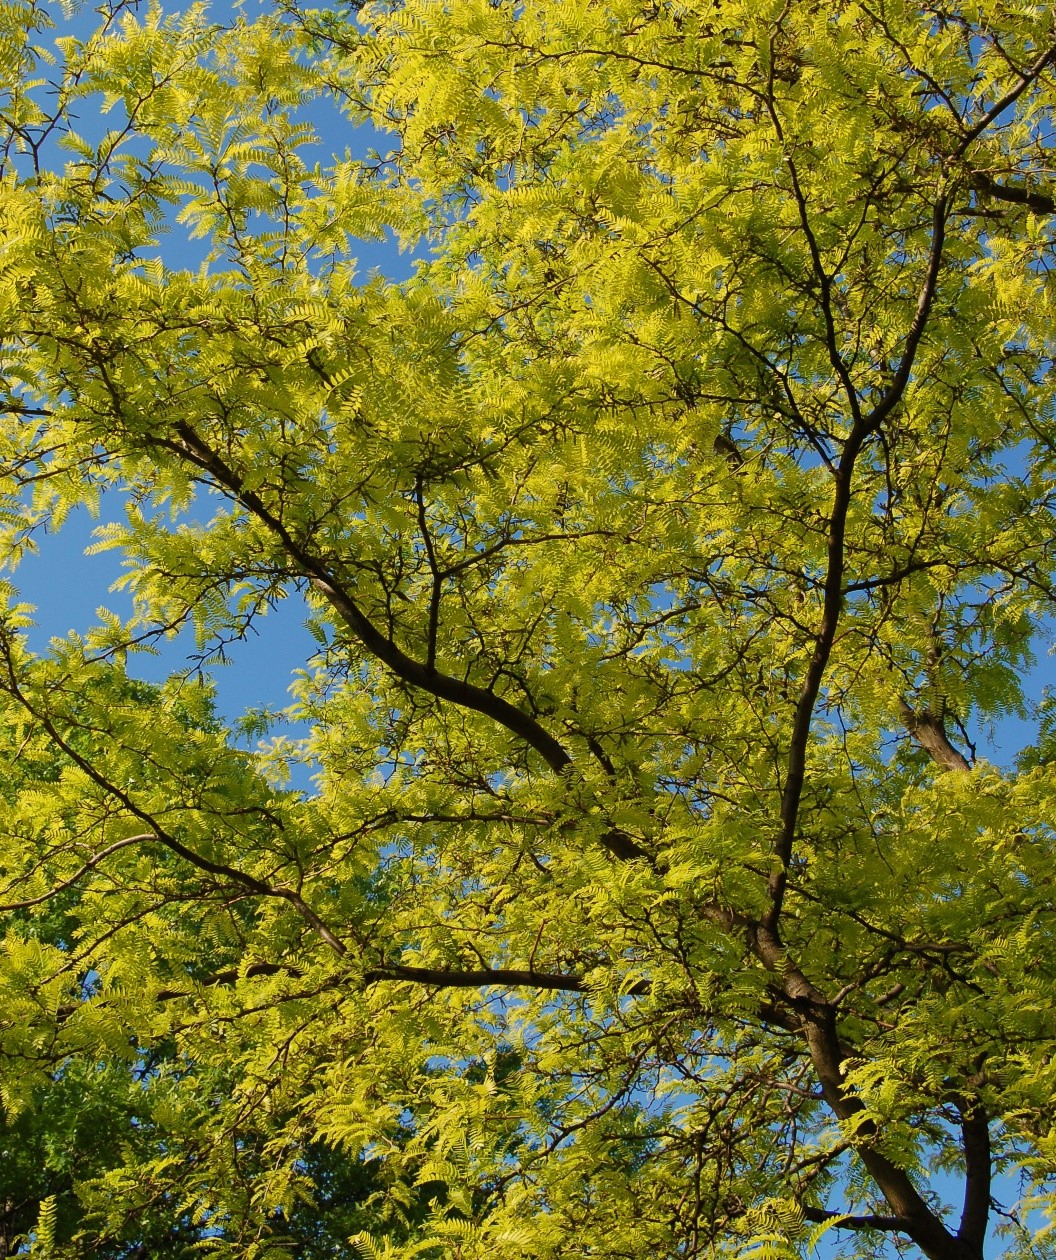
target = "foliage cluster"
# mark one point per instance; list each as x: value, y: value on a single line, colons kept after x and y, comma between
x: 665, y: 538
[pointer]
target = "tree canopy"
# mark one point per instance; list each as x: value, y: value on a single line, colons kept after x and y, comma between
x: 670, y: 538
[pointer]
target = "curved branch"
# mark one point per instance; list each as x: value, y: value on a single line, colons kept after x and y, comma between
x: 231, y: 976
x: 254, y: 885
x: 893, y: 394
x: 427, y: 678
x: 437, y: 579
x: 915, y: 1218
x: 817, y: 1026
x: 92, y: 862
x: 1010, y: 97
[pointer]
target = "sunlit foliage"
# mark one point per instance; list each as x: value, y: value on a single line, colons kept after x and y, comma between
x: 670, y: 539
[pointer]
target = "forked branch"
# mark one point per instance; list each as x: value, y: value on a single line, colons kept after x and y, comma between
x: 324, y: 580
x: 929, y: 730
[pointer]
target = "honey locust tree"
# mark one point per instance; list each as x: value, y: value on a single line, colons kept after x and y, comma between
x: 669, y: 539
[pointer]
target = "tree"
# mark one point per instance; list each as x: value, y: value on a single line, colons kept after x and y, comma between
x: 668, y: 539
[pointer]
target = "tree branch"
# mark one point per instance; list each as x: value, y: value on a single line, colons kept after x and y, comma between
x: 929, y: 730
x: 975, y: 1141
x: 833, y: 592
x: 437, y: 583
x: 912, y: 1213
x: 232, y: 976
x: 1009, y: 98
x: 158, y: 833
x: 842, y: 1221
x: 1040, y: 203
x: 505, y: 976
x: 893, y: 394
x: 443, y: 686
x: 818, y: 1029
x: 92, y: 862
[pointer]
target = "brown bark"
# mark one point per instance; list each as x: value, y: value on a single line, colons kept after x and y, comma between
x: 929, y: 730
